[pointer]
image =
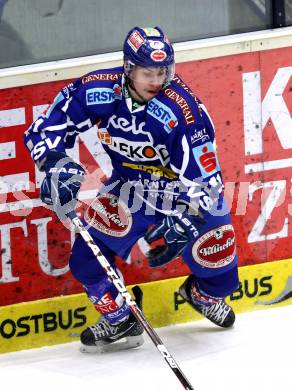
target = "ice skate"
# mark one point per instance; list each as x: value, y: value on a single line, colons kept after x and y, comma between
x: 216, y: 310
x: 104, y: 337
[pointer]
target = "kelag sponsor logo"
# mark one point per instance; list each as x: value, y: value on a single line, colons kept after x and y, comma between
x: 43, y: 322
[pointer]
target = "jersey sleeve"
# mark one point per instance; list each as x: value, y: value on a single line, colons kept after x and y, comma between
x: 194, y: 159
x: 57, y: 128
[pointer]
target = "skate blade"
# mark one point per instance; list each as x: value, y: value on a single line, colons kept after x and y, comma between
x: 120, y: 345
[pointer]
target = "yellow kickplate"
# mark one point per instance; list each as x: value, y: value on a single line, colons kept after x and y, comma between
x: 60, y: 320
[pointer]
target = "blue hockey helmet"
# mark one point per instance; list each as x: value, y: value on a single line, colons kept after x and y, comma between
x: 148, y: 47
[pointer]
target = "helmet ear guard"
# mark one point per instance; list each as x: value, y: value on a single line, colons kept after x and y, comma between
x: 148, y: 47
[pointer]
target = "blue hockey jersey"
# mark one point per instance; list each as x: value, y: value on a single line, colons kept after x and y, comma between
x: 166, y: 145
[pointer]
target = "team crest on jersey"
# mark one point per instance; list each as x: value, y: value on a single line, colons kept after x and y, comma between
x: 163, y: 114
x: 109, y: 215
x: 216, y: 248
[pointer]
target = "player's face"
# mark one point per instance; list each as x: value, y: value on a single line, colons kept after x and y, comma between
x: 147, y: 82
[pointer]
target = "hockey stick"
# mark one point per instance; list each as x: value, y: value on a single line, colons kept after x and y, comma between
x: 111, y: 273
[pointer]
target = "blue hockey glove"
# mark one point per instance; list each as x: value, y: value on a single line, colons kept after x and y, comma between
x: 177, y: 230
x: 62, y: 183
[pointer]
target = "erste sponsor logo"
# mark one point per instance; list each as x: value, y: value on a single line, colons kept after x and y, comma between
x: 163, y: 114
x: 99, y: 96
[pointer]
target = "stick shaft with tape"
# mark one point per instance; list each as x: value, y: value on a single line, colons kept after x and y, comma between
x: 111, y: 273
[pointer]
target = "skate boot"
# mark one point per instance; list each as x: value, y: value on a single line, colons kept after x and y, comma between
x: 215, y: 309
x: 104, y: 337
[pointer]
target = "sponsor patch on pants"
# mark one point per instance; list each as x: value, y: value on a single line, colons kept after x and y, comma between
x: 109, y: 215
x: 216, y: 248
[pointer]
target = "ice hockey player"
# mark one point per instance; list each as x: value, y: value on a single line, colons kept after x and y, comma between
x: 166, y: 183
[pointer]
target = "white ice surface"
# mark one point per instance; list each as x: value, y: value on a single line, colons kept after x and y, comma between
x: 256, y: 354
